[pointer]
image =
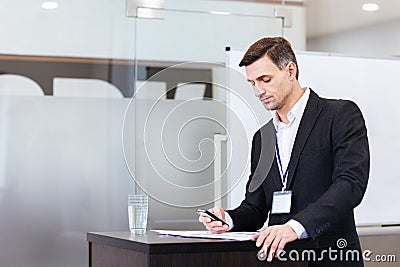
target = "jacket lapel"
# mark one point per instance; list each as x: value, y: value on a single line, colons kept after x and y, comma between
x: 310, y: 115
x: 267, y: 160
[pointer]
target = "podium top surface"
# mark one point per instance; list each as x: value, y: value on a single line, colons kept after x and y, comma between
x: 151, y: 242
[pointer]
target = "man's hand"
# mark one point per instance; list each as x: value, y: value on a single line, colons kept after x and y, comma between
x: 274, y: 238
x: 215, y: 227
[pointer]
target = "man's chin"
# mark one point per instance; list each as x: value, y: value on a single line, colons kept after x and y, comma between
x: 269, y: 106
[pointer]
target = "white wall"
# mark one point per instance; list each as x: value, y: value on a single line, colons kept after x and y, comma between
x: 99, y: 28
x: 382, y: 40
x: 296, y: 34
x: 90, y: 28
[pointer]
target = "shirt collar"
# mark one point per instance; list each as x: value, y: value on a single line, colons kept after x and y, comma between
x: 296, y: 111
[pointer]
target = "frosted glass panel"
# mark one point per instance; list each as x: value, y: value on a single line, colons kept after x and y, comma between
x: 199, y: 36
x: 175, y: 156
x: 62, y: 174
x: 175, y: 149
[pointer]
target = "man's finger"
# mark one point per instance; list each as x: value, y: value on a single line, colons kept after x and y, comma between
x: 271, y: 237
x: 204, y: 219
x: 261, y: 237
x: 217, y: 212
x: 280, y: 247
x: 274, y: 247
x: 255, y: 236
x: 261, y: 255
x: 218, y: 229
x: 271, y: 254
x: 265, y: 250
x: 215, y: 224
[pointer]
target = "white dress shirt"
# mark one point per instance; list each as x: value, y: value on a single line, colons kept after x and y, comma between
x: 286, y: 134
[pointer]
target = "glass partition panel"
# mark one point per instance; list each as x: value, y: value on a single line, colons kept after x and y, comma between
x: 62, y: 175
x: 182, y: 36
x: 64, y: 76
x: 180, y: 109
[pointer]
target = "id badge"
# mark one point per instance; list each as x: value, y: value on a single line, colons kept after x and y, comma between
x: 281, y: 202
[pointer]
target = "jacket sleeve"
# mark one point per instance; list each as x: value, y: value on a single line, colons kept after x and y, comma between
x: 252, y: 212
x: 351, y: 162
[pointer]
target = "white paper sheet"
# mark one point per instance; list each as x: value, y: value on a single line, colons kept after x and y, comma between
x: 238, y: 236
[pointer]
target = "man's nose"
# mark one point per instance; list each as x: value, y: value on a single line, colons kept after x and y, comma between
x: 258, y: 91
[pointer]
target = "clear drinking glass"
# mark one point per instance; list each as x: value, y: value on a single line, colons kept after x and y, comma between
x: 138, y: 208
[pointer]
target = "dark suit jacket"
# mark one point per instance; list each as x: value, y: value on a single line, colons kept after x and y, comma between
x: 328, y: 173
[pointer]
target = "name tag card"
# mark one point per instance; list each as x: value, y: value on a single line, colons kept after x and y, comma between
x: 281, y: 202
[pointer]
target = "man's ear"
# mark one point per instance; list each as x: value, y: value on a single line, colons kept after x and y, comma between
x: 292, y: 70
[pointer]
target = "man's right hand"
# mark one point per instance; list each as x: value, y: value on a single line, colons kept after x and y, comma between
x: 215, y: 227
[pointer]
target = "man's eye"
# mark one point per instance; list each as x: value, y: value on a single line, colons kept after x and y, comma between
x: 266, y: 81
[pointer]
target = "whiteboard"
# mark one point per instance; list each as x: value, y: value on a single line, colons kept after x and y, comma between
x: 245, y: 115
x: 371, y: 83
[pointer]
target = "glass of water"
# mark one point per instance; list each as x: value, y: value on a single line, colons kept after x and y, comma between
x: 138, y: 208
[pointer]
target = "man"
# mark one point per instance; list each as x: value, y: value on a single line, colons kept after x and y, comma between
x: 321, y: 166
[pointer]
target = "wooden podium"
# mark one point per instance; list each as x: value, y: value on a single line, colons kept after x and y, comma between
x: 123, y: 249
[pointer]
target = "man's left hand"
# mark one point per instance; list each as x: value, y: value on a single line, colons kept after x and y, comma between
x: 274, y: 238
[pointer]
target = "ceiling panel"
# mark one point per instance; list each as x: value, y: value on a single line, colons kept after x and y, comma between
x: 331, y: 16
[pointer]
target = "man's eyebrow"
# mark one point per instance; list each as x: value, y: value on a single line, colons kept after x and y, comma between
x: 259, y: 78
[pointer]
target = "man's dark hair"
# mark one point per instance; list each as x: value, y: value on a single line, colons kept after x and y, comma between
x: 278, y: 49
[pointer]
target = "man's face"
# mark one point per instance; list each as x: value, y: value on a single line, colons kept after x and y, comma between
x: 271, y: 85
